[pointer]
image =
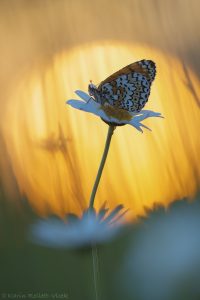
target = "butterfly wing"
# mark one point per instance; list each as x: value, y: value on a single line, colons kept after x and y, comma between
x: 129, y: 88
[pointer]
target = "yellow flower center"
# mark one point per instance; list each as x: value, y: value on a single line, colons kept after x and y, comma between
x: 117, y: 113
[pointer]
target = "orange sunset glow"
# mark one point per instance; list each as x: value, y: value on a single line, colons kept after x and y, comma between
x: 55, y: 150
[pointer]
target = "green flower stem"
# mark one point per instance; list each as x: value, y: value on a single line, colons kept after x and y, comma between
x: 95, y: 265
x: 103, y: 160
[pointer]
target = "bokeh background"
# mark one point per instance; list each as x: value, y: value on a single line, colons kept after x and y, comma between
x: 49, y: 153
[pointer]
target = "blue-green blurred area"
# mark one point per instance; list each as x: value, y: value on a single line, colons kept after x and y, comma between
x: 162, y: 261
x: 157, y: 257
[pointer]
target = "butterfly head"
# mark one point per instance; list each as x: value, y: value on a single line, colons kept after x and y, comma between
x: 93, y: 91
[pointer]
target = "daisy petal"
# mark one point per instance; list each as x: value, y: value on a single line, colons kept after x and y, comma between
x: 136, y: 125
x: 145, y: 126
x: 77, y: 233
x: 135, y: 122
x: 83, y: 95
x: 151, y: 113
x: 91, y: 107
x: 76, y: 103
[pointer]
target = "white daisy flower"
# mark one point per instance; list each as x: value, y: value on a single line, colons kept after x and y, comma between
x: 110, y: 114
x: 91, y: 229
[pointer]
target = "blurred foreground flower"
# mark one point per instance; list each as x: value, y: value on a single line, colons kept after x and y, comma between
x: 107, y: 112
x: 163, y: 261
x: 90, y: 229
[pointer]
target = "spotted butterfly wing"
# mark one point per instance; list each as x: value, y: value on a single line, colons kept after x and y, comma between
x: 129, y: 88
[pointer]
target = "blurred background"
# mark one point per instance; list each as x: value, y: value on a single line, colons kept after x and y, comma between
x: 49, y: 153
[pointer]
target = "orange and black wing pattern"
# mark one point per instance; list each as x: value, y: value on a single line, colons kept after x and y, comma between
x: 129, y: 88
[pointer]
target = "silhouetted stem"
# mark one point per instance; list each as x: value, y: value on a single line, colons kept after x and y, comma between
x: 103, y: 160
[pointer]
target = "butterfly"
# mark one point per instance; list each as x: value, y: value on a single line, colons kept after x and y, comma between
x: 128, y: 88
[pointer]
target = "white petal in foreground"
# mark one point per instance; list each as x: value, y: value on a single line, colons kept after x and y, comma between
x: 88, y: 230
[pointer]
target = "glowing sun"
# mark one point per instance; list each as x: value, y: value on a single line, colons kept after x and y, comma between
x: 55, y: 150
